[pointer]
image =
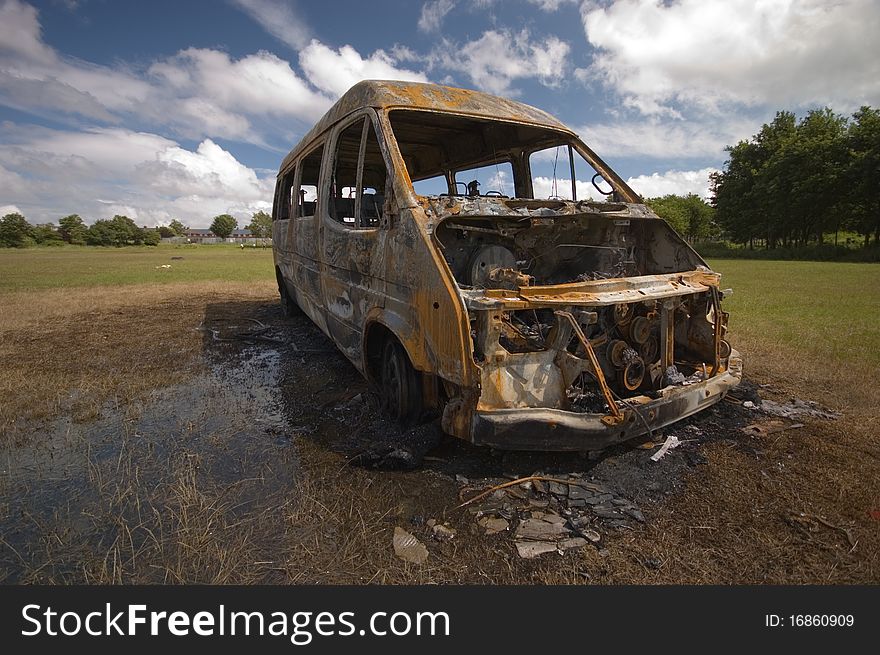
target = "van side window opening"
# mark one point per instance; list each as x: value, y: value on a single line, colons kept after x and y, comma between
x: 307, y: 188
x: 284, y: 197
x: 357, y: 189
x: 432, y: 186
x: 553, y: 170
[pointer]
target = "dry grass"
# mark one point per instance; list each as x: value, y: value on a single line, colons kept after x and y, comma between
x: 194, y: 501
x: 764, y: 517
x: 71, y: 350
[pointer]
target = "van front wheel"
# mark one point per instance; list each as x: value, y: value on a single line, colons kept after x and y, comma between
x: 400, y: 385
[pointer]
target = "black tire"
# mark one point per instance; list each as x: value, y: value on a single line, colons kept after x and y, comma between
x: 289, y: 308
x: 400, y: 385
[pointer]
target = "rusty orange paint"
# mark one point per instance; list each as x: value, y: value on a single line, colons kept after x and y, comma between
x: 484, y: 343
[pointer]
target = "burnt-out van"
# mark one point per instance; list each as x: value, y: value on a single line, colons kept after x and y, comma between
x: 476, y: 261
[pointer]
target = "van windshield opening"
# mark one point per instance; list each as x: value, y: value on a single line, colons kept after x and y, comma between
x: 448, y: 154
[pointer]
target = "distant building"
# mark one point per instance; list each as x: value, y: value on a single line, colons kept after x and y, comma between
x: 204, y: 235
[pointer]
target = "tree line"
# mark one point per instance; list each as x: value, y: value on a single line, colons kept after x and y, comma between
x: 17, y: 232
x: 799, y: 182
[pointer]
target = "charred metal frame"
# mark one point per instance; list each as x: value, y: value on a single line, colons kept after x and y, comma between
x: 406, y: 280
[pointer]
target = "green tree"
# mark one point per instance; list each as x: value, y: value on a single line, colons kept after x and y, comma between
x: 101, y: 233
x: 863, y: 174
x: 15, y: 231
x: 796, y: 181
x: 223, y: 225
x: 72, y: 229
x: 127, y: 231
x: 166, y: 232
x: 150, y: 236
x: 669, y: 209
x: 118, y: 231
x: 690, y: 215
x: 260, y: 225
x: 752, y: 196
x: 47, y: 234
x: 812, y: 165
x: 178, y: 228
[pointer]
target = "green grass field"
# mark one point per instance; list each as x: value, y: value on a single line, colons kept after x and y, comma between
x: 821, y: 309
x: 83, y: 266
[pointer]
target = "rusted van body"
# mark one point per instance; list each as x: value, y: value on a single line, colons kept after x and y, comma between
x: 526, y: 323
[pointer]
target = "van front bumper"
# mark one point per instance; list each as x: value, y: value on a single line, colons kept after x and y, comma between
x: 560, y: 430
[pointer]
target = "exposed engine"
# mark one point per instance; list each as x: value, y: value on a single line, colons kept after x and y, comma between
x: 603, y: 352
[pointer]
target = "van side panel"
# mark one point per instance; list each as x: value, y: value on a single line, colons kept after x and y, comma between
x: 353, y: 273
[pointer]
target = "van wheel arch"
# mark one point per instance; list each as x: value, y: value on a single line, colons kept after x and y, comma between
x: 391, y: 372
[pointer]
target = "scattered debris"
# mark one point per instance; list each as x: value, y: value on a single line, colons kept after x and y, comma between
x: 591, y: 535
x: 531, y: 549
x: 671, y: 442
x: 769, y: 427
x: 493, y: 525
x: 673, y: 376
x: 165, y: 266
x: 551, y: 514
x: 572, y: 542
x: 442, y: 532
x: 797, y: 408
x: 408, y: 548
x: 537, y: 529
x: 748, y: 404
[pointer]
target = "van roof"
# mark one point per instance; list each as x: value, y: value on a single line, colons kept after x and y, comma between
x: 388, y: 94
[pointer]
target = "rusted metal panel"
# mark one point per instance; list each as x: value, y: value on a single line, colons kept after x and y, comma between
x: 532, y: 323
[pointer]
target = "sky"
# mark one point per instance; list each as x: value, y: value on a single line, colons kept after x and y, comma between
x: 160, y: 110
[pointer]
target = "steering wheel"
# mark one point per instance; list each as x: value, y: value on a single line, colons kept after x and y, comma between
x: 604, y: 193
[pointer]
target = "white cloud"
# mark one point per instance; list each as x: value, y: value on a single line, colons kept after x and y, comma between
x: 551, y: 5
x: 500, y: 56
x: 666, y: 139
x: 9, y: 209
x: 544, y: 187
x: 335, y: 71
x: 212, y: 94
x: 279, y: 19
x: 34, y: 77
x: 433, y: 13
x: 197, y: 93
x: 705, y: 54
x: 678, y: 182
x: 100, y: 172
x: 210, y: 169
x: 20, y: 33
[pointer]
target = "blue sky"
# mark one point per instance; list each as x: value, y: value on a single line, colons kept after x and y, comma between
x: 162, y: 110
